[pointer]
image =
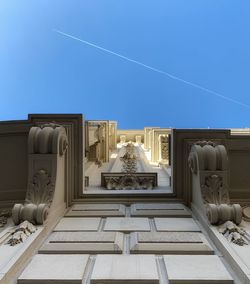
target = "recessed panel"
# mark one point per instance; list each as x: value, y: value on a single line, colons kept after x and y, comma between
x: 54, y: 269
x: 78, y: 224
x: 196, y: 269
x: 127, y: 224
x: 125, y: 269
x: 169, y: 242
x: 83, y: 242
x: 176, y: 224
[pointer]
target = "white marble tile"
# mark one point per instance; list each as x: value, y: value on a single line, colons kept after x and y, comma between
x: 127, y: 224
x: 125, y: 269
x: 78, y: 224
x: 54, y: 268
x: 176, y: 224
x: 196, y: 269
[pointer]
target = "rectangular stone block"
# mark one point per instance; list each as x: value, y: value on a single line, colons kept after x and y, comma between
x: 78, y: 224
x: 197, y: 269
x: 161, y: 209
x: 96, y: 210
x: 169, y: 237
x: 176, y: 224
x: 83, y: 237
x: 119, y: 269
x: 127, y: 224
x: 56, y: 269
x: 96, y: 207
x: 169, y: 242
x: 83, y: 242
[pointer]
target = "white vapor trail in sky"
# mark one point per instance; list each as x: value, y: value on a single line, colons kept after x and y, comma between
x: 154, y: 69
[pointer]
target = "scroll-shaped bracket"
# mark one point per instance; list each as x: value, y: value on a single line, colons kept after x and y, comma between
x: 49, y: 138
x: 46, y: 144
x: 209, y: 165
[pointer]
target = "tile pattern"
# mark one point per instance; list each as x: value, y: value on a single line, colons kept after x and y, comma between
x: 128, y: 244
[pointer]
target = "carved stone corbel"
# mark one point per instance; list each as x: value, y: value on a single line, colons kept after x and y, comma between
x: 209, y: 165
x: 47, y: 145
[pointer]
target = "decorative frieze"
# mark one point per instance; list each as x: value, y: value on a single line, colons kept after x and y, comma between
x: 129, y: 181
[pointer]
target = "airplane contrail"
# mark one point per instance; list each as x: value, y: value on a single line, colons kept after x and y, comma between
x: 154, y: 69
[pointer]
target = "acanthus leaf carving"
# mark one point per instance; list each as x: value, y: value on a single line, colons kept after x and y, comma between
x: 213, y: 190
x: 41, y: 189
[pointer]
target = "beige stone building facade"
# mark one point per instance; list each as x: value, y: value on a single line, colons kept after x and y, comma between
x: 82, y: 201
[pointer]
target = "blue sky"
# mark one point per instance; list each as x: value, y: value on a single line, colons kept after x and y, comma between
x: 204, y: 42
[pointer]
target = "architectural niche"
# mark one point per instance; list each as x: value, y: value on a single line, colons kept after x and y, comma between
x: 98, y: 140
x: 47, y: 145
x: 209, y: 165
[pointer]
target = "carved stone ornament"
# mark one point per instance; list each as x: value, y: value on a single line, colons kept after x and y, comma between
x: 130, y: 182
x: 234, y: 233
x: 207, y: 157
x: 21, y: 233
x: 129, y: 159
x: 246, y: 213
x: 38, y: 200
x: 164, y: 147
x: 4, y: 215
x: 209, y: 165
x: 213, y: 190
x: 49, y: 138
x: 46, y: 143
x: 41, y: 190
x: 204, y: 142
x: 220, y: 213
